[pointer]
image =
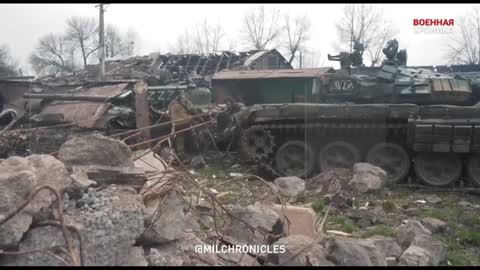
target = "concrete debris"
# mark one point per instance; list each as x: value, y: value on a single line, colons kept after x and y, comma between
x: 367, y: 178
x: 180, y: 253
x: 45, y: 237
x: 329, y: 182
x: 165, y: 220
x: 107, y: 175
x: 260, y: 217
x: 158, y: 68
x: 290, y: 186
x: 433, y: 199
x: 95, y: 150
x: 297, y: 220
x: 406, y: 232
x: 464, y: 204
x: 368, y: 217
x: 137, y: 257
x: 387, y: 245
x: 434, y: 225
x: 349, y: 252
x: 296, y: 255
x: 110, y: 221
x: 80, y: 179
x: 424, y: 251
x: 18, y: 178
x: 150, y: 162
x: 414, y: 256
x: 376, y: 255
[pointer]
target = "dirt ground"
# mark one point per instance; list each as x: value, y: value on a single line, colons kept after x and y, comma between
x: 459, y: 210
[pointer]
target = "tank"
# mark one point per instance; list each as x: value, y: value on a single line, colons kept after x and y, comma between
x: 410, y: 122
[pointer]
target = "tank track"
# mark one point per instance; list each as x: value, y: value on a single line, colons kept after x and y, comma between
x: 362, y: 136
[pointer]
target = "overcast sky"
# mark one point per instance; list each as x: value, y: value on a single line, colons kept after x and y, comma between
x: 160, y: 24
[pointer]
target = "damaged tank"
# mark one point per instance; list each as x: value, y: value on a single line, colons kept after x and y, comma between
x: 410, y: 122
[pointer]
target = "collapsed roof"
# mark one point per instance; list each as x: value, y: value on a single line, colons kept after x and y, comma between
x: 157, y: 69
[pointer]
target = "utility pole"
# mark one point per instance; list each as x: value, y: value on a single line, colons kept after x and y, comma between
x: 102, y: 45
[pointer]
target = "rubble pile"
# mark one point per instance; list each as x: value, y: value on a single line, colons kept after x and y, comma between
x: 116, y: 213
x: 155, y: 68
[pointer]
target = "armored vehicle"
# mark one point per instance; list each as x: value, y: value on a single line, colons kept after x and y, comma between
x: 407, y: 121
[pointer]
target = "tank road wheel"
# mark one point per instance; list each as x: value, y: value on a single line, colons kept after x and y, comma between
x: 294, y: 158
x: 392, y: 158
x: 257, y: 143
x: 338, y: 154
x: 438, y: 169
x: 473, y: 169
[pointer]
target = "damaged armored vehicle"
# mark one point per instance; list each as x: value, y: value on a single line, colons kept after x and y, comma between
x: 410, y: 122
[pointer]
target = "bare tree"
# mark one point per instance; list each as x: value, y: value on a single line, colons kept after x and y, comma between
x: 365, y: 24
x: 132, y: 41
x: 51, y: 54
x: 8, y: 65
x: 82, y: 33
x: 184, y: 44
x: 297, y: 30
x: 312, y: 58
x: 208, y: 37
x: 261, y: 27
x: 114, y: 44
x: 464, y: 47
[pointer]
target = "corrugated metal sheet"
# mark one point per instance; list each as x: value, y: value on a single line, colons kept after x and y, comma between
x: 77, y: 111
x: 254, y: 57
x: 272, y: 73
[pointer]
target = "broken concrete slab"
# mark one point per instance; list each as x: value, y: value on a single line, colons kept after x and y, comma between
x: 367, y: 178
x: 302, y: 219
x: 41, y: 238
x: 386, y: 244
x: 424, y: 251
x: 434, y: 225
x: 19, y: 177
x: 137, y: 257
x: 290, y: 186
x: 95, y: 149
x: 377, y: 256
x: 346, y: 251
x: 408, y: 230
x: 330, y: 181
x: 150, y: 163
x: 260, y: 217
x: 414, y: 256
x: 438, y: 251
x: 300, y: 250
x: 165, y: 220
x: 110, y: 221
x: 108, y: 175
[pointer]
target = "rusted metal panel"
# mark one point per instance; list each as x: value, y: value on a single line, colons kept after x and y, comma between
x: 86, y: 113
x: 272, y: 73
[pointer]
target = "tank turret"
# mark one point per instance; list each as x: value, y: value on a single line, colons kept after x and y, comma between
x: 393, y: 82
